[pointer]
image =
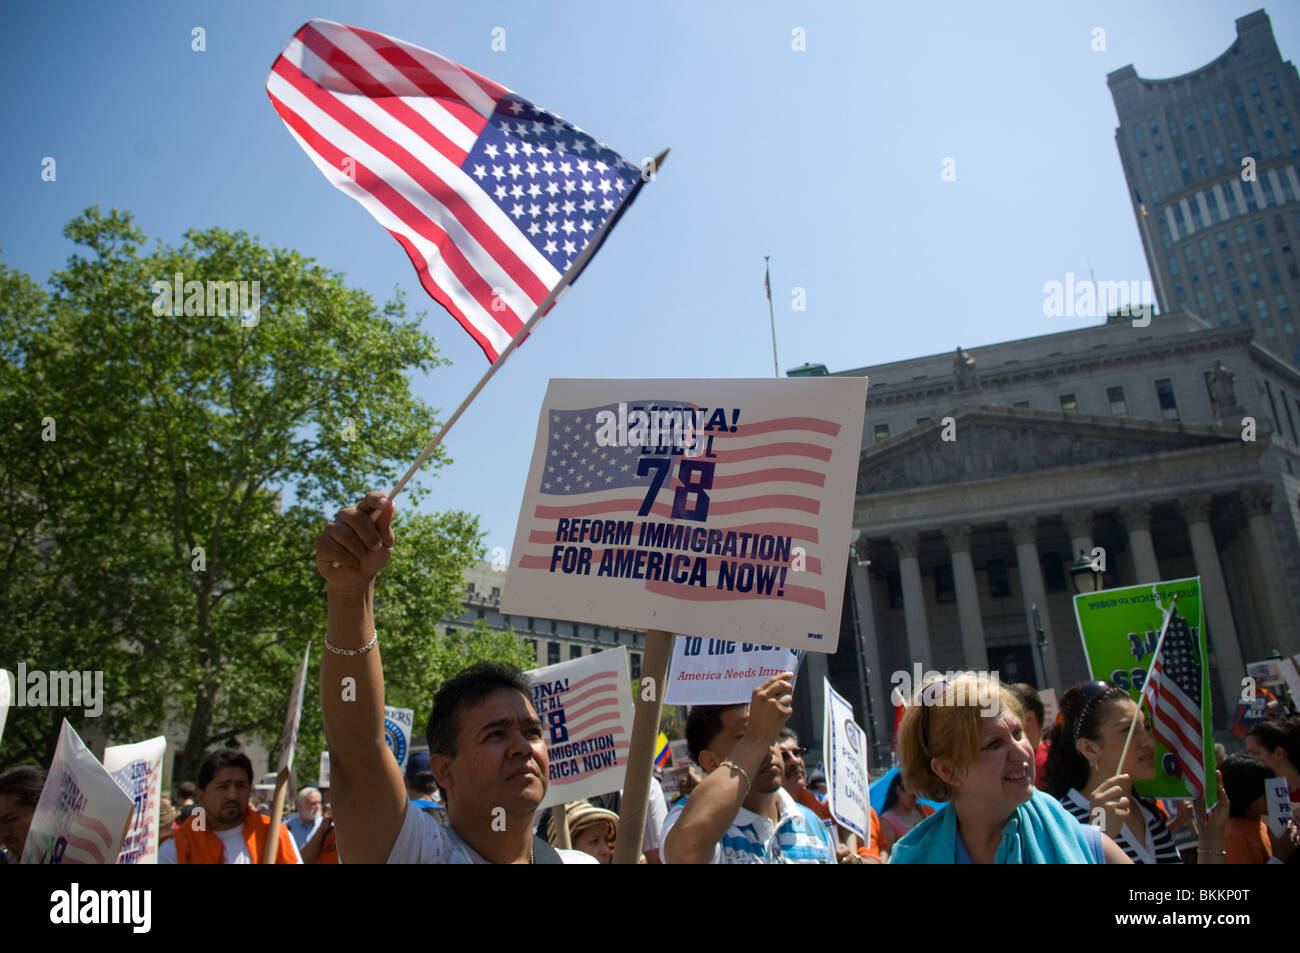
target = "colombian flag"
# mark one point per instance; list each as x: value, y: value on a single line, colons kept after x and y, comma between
x: 662, y: 757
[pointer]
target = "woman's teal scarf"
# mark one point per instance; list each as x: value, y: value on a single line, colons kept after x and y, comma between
x: 1039, y: 832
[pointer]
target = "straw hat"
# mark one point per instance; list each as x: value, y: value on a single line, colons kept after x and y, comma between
x: 581, y: 815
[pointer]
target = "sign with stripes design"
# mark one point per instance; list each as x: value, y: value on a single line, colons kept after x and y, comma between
x: 715, y: 508
x: 585, y: 705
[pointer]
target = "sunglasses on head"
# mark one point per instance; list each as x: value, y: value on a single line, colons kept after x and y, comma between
x: 1090, y: 691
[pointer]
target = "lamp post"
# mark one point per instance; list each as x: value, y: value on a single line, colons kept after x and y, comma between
x: 864, y: 673
x: 1040, y: 640
x: 1084, y: 576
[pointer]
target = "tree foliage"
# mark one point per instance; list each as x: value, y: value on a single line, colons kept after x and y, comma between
x: 164, y: 535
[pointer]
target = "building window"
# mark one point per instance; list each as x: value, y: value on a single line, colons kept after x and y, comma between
x: 944, y: 589
x: 1053, y: 573
x: 531, y: 624
x: 882, y: 432
x: 552, y: 653
x: 1068, y: 404
x: 635, y: 660
x: 1118, y: 406
x: 894, y: 583
x: 554, y: 628
x: 1021, y: 403
x: 922, y: 420
x: 451, y: 630
x: 482, y: 613
x: 496, y: 592
x: 999, y: 579
x: 1165, y: 395
x: 469, y: 588
x: 575, y: 651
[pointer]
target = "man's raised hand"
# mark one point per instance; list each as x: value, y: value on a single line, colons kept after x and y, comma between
x: 352, y: 549
x: 770, y: 707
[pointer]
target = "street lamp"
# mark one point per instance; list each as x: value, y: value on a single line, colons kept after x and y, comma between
x: 1084, y: 576
x: 1040, y: 639
x: 864, y: 674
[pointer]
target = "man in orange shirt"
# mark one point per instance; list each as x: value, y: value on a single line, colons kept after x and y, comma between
x: 227, y: 830
x: 795, y: 782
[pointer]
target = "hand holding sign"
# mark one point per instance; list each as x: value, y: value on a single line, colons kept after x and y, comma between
x: 357, y: 544
x: 770, y: 707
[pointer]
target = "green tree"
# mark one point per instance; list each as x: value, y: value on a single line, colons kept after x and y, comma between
x: 147, y: 446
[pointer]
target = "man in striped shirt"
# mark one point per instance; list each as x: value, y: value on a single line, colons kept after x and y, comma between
x: 740, y: 813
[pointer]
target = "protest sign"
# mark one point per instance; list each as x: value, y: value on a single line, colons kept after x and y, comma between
x: 6, y: 695
x: 681, y: 752
x: 1288, y: 667
x: 1279, y: 805
x: 289, y: 734
x: 82, y: 813
x: 585, y: 705
x: 138, y: 770
x: 712, y: 508
x: 323, y: 775
x: 847, y: 792
x: 720, y: 672
x: 397, y: 732
x: 1051, y: 708
x: 1120, y: 629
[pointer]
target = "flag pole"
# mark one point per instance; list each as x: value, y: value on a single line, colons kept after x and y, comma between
x: 767, y: 283
x: 641, y: 746
x: 1154, y: 655
x: 554, y: 295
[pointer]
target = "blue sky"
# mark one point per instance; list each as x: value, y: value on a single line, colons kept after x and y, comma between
x: 826, y: 159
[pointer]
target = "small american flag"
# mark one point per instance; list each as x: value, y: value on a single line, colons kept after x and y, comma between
x: 1173, y: 689
x: 491, y: 197
x: 766, y: 478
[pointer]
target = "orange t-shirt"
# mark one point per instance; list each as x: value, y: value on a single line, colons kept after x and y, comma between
x: 205, y: 847
x: 1246, y: 842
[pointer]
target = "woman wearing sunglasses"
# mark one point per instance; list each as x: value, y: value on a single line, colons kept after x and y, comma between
x: 962, y: 740
x: 1084, y: 773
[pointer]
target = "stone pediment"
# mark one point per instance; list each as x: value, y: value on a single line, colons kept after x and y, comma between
x: 1001, y: 442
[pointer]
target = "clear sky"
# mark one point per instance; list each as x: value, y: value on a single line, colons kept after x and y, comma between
x: 827, y: 159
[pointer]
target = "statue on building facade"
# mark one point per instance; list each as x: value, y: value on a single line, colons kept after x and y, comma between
x: 1224, y: 392
x: 963, y: 370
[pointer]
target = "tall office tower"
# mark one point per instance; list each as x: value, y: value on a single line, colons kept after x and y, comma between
x: 1211, y: 161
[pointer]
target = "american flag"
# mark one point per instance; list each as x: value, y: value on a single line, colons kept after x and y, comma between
x: 767, y: 480
x: 1173, y: 688
x: 491, y: 197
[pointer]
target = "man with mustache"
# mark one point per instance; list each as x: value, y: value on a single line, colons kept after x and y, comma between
x: 487, y: 749
x: 795, y: 782
x: 227, y: 830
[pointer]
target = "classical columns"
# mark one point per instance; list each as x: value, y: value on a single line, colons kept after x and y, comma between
x: 1214, y: 596
x: 1137, y: 520
x: 1078, y: 523
x: 973, y: 646
x: 1024, y: 533
x: 909, y: 568
x: 1258, y: 501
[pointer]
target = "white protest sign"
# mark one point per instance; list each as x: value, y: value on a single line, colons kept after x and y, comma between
x: 720, y: 672
x: 82, y: 813
x: 138, y: 770
x: 6, y: 696
x: 1050, y: 708
x: 847, y: 794
x: 717, y: 508
x: 397, y: 732
x: 289, y: 734
x: 680, y: 752
x: 324, y: 773
x: 585, y: 706
x: 1279, y: 805
x: 1289, y: 668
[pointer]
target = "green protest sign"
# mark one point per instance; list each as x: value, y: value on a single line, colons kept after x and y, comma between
x: 1120, y: 630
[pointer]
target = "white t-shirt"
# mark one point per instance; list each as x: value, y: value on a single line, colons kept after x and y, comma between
x: 656, y: 813
x: 424, y: 840
x: 234, y: 849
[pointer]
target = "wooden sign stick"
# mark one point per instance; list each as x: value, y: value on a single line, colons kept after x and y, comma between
x: 277, y: 807
x: 641, y: 750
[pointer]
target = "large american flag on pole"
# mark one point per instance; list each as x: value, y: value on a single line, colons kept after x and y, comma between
x: 764, y: 483
x: 492, y: 197
x: 1173, y: 689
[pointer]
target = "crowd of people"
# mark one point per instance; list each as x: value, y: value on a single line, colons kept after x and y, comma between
x: 1009, y: 789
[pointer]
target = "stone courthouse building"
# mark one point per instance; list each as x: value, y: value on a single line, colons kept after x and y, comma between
x: 1116, y: 436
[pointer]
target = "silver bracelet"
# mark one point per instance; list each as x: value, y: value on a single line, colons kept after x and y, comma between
x: 361, y: 651
x: 743, y: 773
